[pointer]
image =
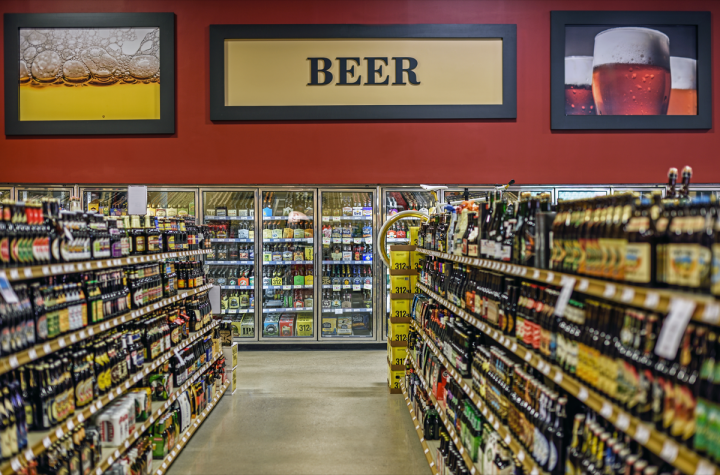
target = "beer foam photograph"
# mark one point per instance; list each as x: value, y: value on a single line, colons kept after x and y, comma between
x: 89, y: 74
x: 631, y: 70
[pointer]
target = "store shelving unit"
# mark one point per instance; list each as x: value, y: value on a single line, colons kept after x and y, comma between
x: 161, y: 466
x: 113, y: 453
x: 429, y: 448
x: 679, y: 456
x: 707, y: 308
x: 10, y: 362
x: 40, y: 441
x: 34, y: 272
x: 440, y: 407
x: 508, y: 438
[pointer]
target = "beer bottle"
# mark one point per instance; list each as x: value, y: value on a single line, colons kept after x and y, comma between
x: 707, y: 373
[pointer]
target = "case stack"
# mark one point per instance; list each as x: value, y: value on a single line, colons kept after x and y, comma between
x: 231, y: 357
x: 403, y: 278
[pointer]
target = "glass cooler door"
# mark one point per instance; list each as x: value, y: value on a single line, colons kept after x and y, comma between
x: 231, y: 220
x: 288, y: 264
x: 347, y: 264
x: 38, y: 192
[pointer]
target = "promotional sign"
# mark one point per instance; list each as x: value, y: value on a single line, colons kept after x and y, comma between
x: 315, y: 72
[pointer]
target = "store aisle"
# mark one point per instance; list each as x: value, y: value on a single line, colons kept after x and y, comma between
x: 307, y: 412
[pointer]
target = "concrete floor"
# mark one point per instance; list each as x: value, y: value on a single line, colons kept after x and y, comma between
x: 307, y: 412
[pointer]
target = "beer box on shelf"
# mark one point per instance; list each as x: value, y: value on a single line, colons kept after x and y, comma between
x: 329, y: 326
x: 396, y: 354
x: 231, y: 376
x: 399, y: 331
x: 413, y: 282
x: 400, y: 257
x: 395, y: 380
x: 344, y: 325
x: 231, y: 354
x: 270, y: 325
x: 400, y: 284
x: 247, y: 327
x: 399, y: 308
x: 304, y: 325
x: 287, y: 325
x: 413, y: 235
x: 416, y: 259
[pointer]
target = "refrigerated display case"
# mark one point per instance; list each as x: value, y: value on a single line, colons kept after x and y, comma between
x: 62, y: 193
x: 288, y: 264
x: 161, y: 202
x: 646, y: 191
x: 5, y: 193
x: 564, y: 193
x: 347, y: 263
x: 230, y: 218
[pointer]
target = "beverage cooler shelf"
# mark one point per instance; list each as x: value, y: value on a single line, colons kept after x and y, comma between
x: 38, y: 442
x: 679, y: 456
x: 235, y: 311
x: 33, y: 272
x: 230, y: 263
x: 346, y: 310
x: 288, y: 310
x: 487, y: 412
x: 229, y: 218
x: 351, y: 240
x: 237, y: 287
x: 286, y: 287
x: 449, y: 426
x: 704, y: 308
x: 368, y: 263
x: 9, y: 363
x: 301, y: 218
x: 231, y: 240
x: 307, y: 240
x: 283, y: 263
x: 327, y: 219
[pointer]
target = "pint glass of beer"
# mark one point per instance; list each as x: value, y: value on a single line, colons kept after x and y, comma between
x: 578, y: 85
x: 631, y: 72
x: 683, y: 95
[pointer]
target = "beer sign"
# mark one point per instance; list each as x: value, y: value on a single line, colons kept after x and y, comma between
x: 631, y: 70
x: 337, y: 72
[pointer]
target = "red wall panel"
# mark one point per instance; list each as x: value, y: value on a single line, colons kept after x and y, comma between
x: 482, y: 151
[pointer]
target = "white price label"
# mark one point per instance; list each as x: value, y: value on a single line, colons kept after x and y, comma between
x: 550, y: 277
x: 534, y: 471
x: 546, y: 369
x: 14, y: 274
x: 673, y: 328
x: 582, y: 394
x: 507, y: 439
x: 606, y: 410
x: 59, y: 433
x: 46, y: 270
x: 704, y: 468
x: 13, y: 362
x: 652, y: 300
x: 513, y: 347
x: 609, y: 291
x: 536, y: 274
x: 338, y: 311
x: 622, y: 422
x: 46, y: 442
x: 669, y: 451
x: 528, y: 356
x: 642, y: 434
x: 32, y: 354
x: 628, y: 294
x: 15, y: 464
x: 558, y: 377
x: 711, y: 313
x: 521, y: 456
x: 29, y: 455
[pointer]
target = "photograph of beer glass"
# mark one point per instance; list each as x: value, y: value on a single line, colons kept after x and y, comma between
x: 89, y: 74
x: 636, y: 70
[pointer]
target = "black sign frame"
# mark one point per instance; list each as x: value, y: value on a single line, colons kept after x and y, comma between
x: 220, y: 112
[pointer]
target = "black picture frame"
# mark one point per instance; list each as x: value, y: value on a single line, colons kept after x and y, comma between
x: 560, y: 19
x: 164, y: 125
x: 220, y: 112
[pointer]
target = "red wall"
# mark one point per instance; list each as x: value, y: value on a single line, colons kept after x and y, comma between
x: 478, y: 152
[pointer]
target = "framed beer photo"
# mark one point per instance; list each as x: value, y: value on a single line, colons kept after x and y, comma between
x: 89, y: 73
x: 616, y: 70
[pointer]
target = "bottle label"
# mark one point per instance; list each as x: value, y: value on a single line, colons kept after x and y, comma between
x: 715, y: 273
x: 637, y: 262
x: 689, y: 264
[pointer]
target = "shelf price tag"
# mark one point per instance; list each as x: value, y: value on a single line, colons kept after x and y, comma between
x: 711, y: 313
x: 704, y: 468
x: 628, y: 295
x: 609, y: 291
x: 673, y: 328
x: 622, y: 422
x: 582, y: 394
x: 642, y: 434
x: 669, y: 451
x: 550, y: 277
x: 606, y: 410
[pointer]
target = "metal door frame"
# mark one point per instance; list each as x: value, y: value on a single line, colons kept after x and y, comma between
x: 17, y: 188
x: 200, y: 211
x: 318, y: 243
x: 580, y: 188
